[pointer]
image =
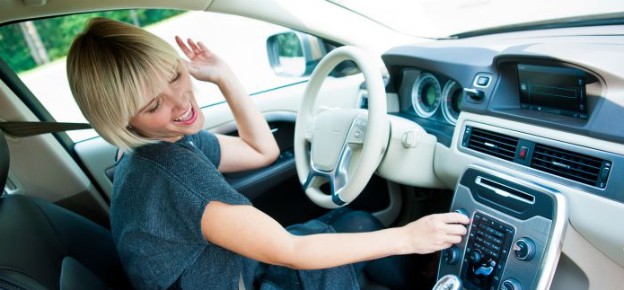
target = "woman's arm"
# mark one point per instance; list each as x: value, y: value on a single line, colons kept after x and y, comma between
x: 249, y: 232
x: 255, y: 145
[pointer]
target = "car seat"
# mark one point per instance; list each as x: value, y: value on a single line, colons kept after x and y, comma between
x: 44, y: 246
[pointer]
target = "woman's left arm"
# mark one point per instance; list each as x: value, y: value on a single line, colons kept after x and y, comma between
x: 255, y: 145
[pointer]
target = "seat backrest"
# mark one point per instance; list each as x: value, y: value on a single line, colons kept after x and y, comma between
x: 44, y: 246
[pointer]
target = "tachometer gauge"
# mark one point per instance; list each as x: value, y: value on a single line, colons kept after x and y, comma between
x: 452, y: 97
x: 426, y: 95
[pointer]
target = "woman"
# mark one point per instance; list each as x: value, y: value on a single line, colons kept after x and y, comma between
x: 175, y: 220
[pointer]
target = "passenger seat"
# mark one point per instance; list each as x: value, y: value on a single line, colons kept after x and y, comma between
x: 44, y: 246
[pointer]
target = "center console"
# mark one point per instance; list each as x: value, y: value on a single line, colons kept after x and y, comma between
x: 514, y: 239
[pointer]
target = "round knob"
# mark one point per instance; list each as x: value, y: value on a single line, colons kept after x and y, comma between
x: 476, y: 256
x: 450, y: 255
x: 511, y: 284
x: 462, y: 211
x: 524, y: 249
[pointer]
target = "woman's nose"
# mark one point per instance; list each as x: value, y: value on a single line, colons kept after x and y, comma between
x: 178, y: 101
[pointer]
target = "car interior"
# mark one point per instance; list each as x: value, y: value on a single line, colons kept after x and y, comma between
x: 516, y: 127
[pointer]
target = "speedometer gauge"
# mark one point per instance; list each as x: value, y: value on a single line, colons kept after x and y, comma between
x: 452, y: 97
x: 426, y: 95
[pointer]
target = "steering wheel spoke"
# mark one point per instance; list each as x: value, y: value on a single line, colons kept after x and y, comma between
x: 336, y: 178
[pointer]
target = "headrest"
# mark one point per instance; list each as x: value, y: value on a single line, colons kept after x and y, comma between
x: 4, y: 160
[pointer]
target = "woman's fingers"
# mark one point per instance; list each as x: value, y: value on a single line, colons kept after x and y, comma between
x: 183, y: 47
x: 455, y: 229
x: 191, y: 48
x: 204, y: 49
x: 193, y: 45
x: 455, y: 218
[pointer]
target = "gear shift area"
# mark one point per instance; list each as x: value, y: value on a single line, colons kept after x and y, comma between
x: 448, y: 282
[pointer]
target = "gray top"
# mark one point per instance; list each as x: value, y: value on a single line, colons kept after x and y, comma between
x: 160, y: 192
x: 159, y: 195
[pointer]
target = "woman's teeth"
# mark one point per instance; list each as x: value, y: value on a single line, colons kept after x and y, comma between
x: 187, y: 116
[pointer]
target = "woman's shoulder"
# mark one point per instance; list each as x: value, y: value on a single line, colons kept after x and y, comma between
x: 165, y: 159
x: 165, y: 153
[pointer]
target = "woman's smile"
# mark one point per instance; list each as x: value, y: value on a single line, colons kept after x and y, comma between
x: 188, y: 117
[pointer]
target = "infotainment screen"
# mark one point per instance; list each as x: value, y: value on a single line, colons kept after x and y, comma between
x: 552, y: 89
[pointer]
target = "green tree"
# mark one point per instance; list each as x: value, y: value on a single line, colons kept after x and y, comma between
x: 57, y: 34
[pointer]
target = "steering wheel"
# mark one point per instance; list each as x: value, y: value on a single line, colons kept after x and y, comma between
x: 340, y: 147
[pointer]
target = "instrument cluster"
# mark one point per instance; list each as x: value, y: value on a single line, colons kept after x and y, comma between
x: 433, y: 96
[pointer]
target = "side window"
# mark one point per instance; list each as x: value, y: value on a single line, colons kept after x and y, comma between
x: 36, y: 51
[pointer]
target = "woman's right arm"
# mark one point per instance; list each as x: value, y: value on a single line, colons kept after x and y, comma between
x: 249, y: 232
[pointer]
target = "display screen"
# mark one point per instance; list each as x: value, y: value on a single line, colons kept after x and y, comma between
x: 557, y: 90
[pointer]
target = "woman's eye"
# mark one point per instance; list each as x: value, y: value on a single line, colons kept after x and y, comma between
x: 154, y: 107
x: 177, y: 77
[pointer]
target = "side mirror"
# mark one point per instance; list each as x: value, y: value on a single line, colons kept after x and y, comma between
x: 295, y: 54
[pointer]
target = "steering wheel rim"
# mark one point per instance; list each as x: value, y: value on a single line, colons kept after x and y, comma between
x: 358, y: 154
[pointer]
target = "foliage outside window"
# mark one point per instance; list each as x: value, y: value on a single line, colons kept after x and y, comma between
x: 32, y: 43
x: 289, y: 45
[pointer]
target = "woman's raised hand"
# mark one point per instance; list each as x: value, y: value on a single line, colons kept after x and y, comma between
x: 203, y: 64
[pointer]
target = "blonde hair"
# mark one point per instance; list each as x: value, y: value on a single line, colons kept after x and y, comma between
x: 111, y: 67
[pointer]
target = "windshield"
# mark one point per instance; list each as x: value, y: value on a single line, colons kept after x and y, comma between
x: 444, y: 18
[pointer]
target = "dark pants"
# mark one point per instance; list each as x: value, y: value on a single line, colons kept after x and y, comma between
x: 395, y: 272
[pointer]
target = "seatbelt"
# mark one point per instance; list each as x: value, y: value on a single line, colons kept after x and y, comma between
x: 27, y: 129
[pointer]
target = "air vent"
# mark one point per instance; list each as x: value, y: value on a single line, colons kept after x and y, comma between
x: 491, y: 143
x: 579, y: 167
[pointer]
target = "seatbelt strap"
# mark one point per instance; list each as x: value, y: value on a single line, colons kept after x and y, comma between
x: 27, y: 129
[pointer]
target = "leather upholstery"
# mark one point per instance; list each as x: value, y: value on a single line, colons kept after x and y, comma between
x: 44, y: 246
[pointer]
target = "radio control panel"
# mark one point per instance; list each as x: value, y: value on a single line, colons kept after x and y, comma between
x: 488, y: 247
x: 514, y: 239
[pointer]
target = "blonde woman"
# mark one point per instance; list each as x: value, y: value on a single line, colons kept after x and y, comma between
x: 175, y: 221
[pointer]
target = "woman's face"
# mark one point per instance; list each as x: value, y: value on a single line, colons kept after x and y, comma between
x: 171, y: 114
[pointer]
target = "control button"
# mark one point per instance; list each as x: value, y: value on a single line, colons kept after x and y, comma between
x: 474, y: 93
x: 450, y: 255
x: 485, y: 269
x: 476, y: 256
x: 408, y: 139
x: 511, y: 284
x: 483, y: 81
x: 522, y: 153
x: 524, y: 249
x: 462, y: 211
x: 357, y: 134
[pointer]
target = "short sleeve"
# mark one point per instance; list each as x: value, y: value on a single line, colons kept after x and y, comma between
x: 191, y: 168
x: 208, y: 144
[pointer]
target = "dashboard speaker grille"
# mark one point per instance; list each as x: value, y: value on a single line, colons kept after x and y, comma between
x: 492, y: 143
x: 579, y: 167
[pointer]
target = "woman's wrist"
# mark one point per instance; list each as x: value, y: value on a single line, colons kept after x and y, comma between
x: 230, y: 85
x: 399, y: 241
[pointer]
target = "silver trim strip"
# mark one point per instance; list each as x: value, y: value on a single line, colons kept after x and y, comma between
x: 502, y: 192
